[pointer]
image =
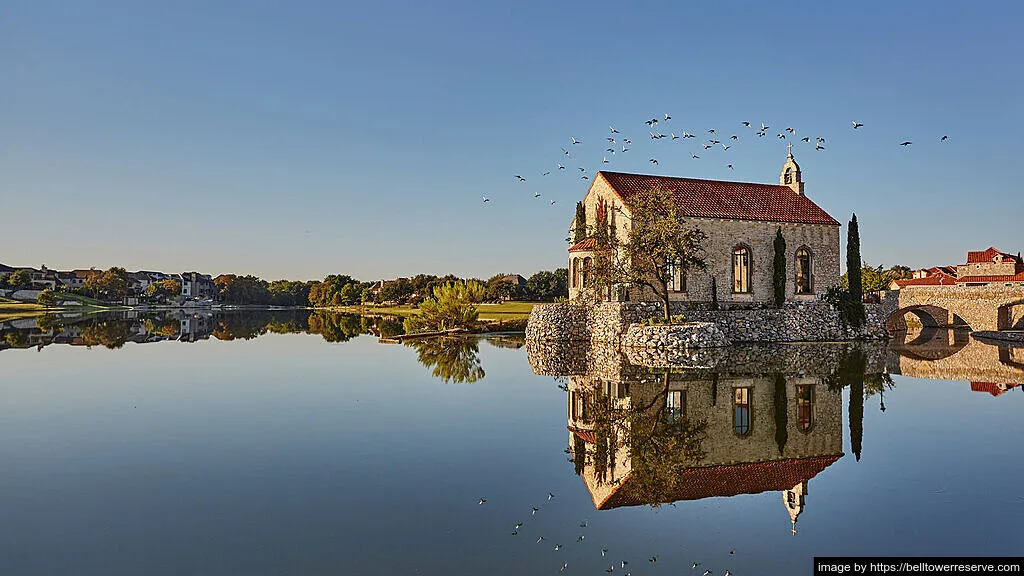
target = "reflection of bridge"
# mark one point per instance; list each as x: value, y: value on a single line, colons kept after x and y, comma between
x: 949, y: 354
x: 987, y: 307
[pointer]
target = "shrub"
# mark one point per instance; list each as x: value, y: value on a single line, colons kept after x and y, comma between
x: 662, y: 321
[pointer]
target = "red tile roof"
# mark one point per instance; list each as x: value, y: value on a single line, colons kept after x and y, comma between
x: 727, y: 200
x: 732, y: 480
x: 991, y: 387
x: 938, y: 279
x: 1018, y: 277
x: 987, y: 255
x: 585, y: 435
x: 589, y: 244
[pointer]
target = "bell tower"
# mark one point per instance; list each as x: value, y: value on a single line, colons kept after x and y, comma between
x: 790, y: 175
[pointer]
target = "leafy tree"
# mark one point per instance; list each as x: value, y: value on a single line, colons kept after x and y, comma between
x: 234, y: 289
x: 110, y: 285
x: 779, y: 269
x: 546, y: 286
x: 289, y: 293
x: 498, y: 288
x: 47, y: 298
x: 397, y: 290
x: 19, y: 279
x: 580, y: 228
x: 163, y: 290
x: 451, y: 307
x: 659, y: 242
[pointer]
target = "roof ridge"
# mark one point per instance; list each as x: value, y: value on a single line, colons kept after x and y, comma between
x: 695, y: 179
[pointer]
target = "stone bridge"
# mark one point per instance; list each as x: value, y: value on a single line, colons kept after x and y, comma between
x: 978, y: 307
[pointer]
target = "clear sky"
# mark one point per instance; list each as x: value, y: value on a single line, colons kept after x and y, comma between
x: 296, y: 139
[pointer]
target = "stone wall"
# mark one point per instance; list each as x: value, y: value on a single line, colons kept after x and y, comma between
x: 813, y: 321
x: 689, y: 335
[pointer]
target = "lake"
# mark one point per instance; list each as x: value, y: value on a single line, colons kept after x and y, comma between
x: 296, y: 443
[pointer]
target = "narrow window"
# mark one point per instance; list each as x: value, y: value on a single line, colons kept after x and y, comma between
x: 670, y: 275
x: 675, y: 405
x: 741, y: 270
x: 586, y: 270
x: 789, y: 175
x: 805, y: 407
x: 803, y: 271
x: 741, y: 411
x: 681, y: 285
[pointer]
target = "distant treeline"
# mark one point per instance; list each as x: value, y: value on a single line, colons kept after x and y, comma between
x: 343, y: 290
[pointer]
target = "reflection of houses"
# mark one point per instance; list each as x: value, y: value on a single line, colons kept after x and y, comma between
x: 740, y: 220
x: 195, y: 326
x: 993, y: 388
x: 763, y: 434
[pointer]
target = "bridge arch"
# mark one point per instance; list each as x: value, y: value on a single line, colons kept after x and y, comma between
x: 1011, y: 316
x: 930, y: 316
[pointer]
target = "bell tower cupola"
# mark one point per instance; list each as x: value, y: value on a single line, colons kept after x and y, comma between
x: 790, y: 175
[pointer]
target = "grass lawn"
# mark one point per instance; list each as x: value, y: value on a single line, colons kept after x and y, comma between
x: 503, y: 311
x: 12, y: 309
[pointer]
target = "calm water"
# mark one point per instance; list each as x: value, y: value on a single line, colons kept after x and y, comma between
x: 297, y: 444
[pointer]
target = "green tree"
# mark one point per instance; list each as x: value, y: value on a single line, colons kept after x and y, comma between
x: 47, y: 298
x: 659, y: 244
x: 855, y: 305
x: 546, y: 286
x: 398, y: 290
x: 451, y: 307
x: 779, y: 269
x: 451, y: 359
x: 234, y: 289
x: 110, y: 285
x: 163, y: 290
x: 19, y: 279
x: 580, y: 228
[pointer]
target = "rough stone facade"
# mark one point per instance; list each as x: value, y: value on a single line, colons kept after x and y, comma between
x: 812, y: 321
x: 689, y: 335
x: 723, y: 237
x: 992, y: 307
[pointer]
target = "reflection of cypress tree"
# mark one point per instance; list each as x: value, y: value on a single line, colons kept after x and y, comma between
x: 857, y: 414
x: 781, y: 406
x: 579, y: 454
x: 714, y: 389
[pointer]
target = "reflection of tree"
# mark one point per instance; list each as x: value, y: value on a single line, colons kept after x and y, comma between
x: 852, y: 372
x: 49, y: 323
x: 108, y: 333
x: 383, y: 326
x: 781, y: 409
x: 452, y: 359
x: 240, y: 327
x: 17, y: 338
x: 335, y: 327
x: 168, y: 327
x: 662, y: 443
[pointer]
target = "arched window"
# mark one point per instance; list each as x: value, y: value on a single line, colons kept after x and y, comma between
x: 741, y: 411
x: 803, y: 271
x: 675, y: 405
x: 805, y: 407
x: 670, y: 275
x: 587, y: 263
x: 741, y: 270
x: 789, y: 175
x: 575, y: 276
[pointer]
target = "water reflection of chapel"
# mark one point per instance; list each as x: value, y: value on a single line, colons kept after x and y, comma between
x: 767, y: 433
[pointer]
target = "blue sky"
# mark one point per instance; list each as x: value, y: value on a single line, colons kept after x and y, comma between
x: 297, y: 139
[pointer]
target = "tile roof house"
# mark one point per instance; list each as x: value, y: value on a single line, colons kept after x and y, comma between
x: 982, y: 267
x: 739, y: 219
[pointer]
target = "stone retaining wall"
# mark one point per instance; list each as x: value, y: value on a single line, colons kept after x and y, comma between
x: 685, y: 336
x: 814, y: 321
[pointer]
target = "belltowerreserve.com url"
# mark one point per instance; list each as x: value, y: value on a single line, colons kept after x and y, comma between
x: 872, y: 566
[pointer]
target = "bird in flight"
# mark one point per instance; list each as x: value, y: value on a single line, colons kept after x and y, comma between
x: 482, y: 500
x: 747, y: 124
x: 654, y: 161
x: 687, y: 134
x: 575, y: 141
x: 580, y: 539
x: 735, y: 137
x: 560, y: 167
x: 536, y: 194
x: 818, y: 146
x: 614, y: 131
x: 781, y: 136
x: 729, y: 166
x: 763, y: 127
x: 582, y: 169
x: 545, y: 173
x: 653, y: 559
x: 906, y: 143
x: 724, y: 147
x: 584, y: 178
x: 790, y: 130
x: 605, y: 159
x: 712, y: 131
x: 624, y: 149
x: 486, y: 199
x: 610, y: 139
x: 603, y: 552
x: 674, y: 137
x: 855, y: 124
x: 706, y: 146
x: 612, y: 150
x: 534, y: 510
x: 540, y: 539
x: 550, y: 495
x: 667, y: 117
x: 564, y: 151
x: 627, y: 140
x: 944, y: 138
x: 806, y: 139
x: 564, y: 566
x: 552, y: 202
x: 694, y: 156
x: 558, y: 547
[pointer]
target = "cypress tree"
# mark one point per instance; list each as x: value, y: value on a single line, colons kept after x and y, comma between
x: 854, y: 274
x: 779, y: 271
x: 780, y: 406
x: 581, y: 223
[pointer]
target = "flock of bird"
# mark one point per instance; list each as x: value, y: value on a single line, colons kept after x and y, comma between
x: 622, y: 565
x: 661, y: 129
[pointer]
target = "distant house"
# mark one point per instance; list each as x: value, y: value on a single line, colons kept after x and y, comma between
x: 981, y: 269
x: 6, y: 271
x: 75, y: 279
x: 44, y: 278
x: 138, y: 282
x: 516, y: 280
x: 196, y: 285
